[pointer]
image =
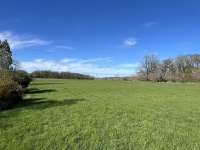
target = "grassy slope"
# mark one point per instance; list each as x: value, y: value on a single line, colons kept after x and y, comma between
x: 72, y: 114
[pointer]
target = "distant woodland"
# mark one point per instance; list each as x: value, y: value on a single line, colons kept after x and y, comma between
x: 183, y: 68
x: 60, y: 75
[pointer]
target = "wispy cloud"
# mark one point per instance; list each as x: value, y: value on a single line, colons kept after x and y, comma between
x: 106, y: 59
x: 132, y: 65
x: 147, y: 52
x: 50, y: 50
x: 21, y: 41
x: 109, y: 65
x: 99, y: 67
x: 63, y: 47
x: 16, y: 20
x: 154, y: 53
x: 130, y: 41
x: 185, y: 43
x: 150, y: 24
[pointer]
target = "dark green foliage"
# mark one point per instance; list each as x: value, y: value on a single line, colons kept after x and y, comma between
x: 60, y: 75
x: 10, y: 92
x: 5, y: 55
x: 22, y: 77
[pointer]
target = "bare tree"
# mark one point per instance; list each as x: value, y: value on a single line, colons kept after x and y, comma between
x: 187, y: 67
x: 195, y: 65
x: 148, y: 68
x: 167, y: 70
x: 196, y: 59
x: 184, y: 68
x: 181, y: 64
x: 196, y: 75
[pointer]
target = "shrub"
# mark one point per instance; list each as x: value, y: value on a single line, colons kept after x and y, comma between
x: 22, y: 77
x: 4, y: 73
x: 10, y: 92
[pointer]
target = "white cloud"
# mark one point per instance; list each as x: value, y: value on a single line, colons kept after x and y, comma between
x: 21, y: 41
x: 38, y: 60
x: 130, y: 41
x: 67, y: 60
x: 63, y: 47
x: 149, y: 24
x: 92, y: 67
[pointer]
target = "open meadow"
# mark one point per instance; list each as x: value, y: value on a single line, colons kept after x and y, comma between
x: 96, y: 114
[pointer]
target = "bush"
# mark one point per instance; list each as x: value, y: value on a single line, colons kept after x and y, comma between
x: 22, y: 77
x: 10, y: 92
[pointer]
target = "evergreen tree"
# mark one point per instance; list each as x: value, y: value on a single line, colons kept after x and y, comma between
x: 5, y: 55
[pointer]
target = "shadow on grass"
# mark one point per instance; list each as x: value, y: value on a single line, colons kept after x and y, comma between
x: 41, y: 103
x: 29, y: 91
x: 37, y: 91
x: 33, y: 103
x: 45, y: 83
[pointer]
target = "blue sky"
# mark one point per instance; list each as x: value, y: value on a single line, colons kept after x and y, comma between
x: 98, y: 37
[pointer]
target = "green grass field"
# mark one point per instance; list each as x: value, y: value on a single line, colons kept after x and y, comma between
x: 72, y: 114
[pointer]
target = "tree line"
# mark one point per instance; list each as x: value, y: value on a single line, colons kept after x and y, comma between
x: 183, y: 68
x: 60, y: 75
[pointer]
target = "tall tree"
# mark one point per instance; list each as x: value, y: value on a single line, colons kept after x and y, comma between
x: 5, y: 55
x: 193, y: 69
x: 167, y: 70
x: 148, y: 68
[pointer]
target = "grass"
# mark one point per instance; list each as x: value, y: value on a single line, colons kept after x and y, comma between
x: 72, y: 114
